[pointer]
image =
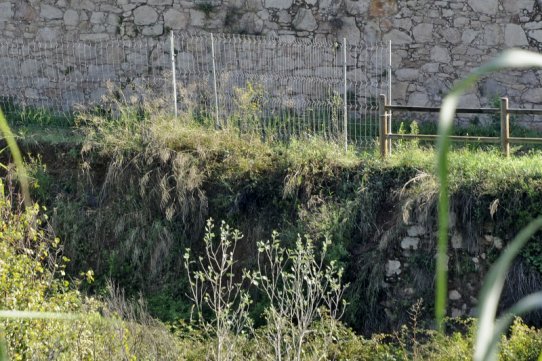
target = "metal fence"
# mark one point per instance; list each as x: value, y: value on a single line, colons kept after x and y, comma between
x: 266, y: 85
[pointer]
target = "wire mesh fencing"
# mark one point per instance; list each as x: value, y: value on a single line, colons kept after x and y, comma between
x: 268, y: 86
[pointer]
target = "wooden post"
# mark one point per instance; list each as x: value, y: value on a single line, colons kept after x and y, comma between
x: 505, y: 127
x: 383, y: 125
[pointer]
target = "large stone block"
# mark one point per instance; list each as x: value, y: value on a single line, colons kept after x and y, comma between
x: 250, y: 24
x: 493, y: 34
x: 407, y: 74
x: 98, y: 17
x: 356, y: 7
x: 49, y: 12
x: 145, y: 15
x: 153, y: 30
x: 175, y: 19
x: 30, y: 67
x: 278, y: 4
x: 71, y: 18
x: 397, y: 37
x: 514, y: 36
x: 489, y: 7
x: 83, y: 4
x: 94, y: 37
x: 517, y: 6
x: 533, y: 95
x: 536, y: 35
x: 197, y: 18
x: 349, y: 30
x: 304, y: 20
x: 418, y: 99
x: 468, y: 36
x: 159, y: 2
x: 23, y: 11
x: 451, y: 35
x: 440, y: 54
x: 47, y: 34
x: 5, y: 12
x: 423, y: 33
x: 469, y: 101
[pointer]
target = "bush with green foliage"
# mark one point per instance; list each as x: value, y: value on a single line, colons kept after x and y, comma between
x: 32, y: 278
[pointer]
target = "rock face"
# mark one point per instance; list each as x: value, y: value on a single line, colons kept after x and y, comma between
x: 434, y: 42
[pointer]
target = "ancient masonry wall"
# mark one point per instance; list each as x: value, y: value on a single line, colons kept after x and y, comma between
x: 434, y: 42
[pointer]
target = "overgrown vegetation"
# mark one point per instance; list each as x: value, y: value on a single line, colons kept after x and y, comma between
x: 140, y: 186
x: 145, y: 183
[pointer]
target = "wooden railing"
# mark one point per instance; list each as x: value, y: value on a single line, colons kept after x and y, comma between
x: 386, y: 136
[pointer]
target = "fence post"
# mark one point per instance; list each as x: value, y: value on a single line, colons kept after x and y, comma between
x: 214, y: 80
x: 383, y: 125
x: 389, y: 95
x: 345, y: 120
x: 505, y: 127
x: 173, y: 74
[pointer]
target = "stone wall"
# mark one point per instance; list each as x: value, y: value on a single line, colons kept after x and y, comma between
x: 434, y: 42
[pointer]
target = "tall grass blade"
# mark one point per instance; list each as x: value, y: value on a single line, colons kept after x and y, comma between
x: 489, y: 331
x: 512, y: 58
x: 21, y: 172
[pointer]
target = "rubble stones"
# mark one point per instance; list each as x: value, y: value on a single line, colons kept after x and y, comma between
x: 454, y: 295
x: 410, y: 243
x: 393, y: 268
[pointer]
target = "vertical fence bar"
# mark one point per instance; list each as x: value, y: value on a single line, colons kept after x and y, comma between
x: 383, y: 125
x: 214, y: 80
x: 389, y: 94
x: 505, y: 127
x: 173, y: 74
x: 345, y: 116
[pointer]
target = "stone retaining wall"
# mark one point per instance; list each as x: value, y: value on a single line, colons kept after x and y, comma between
x: 434, y: 42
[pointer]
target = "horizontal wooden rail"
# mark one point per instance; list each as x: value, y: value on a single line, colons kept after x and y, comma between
x: 525, y: 111
x: 406, y: 108
x: 385, y: 111
x: 455, y: 138
x: 519, y: 140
